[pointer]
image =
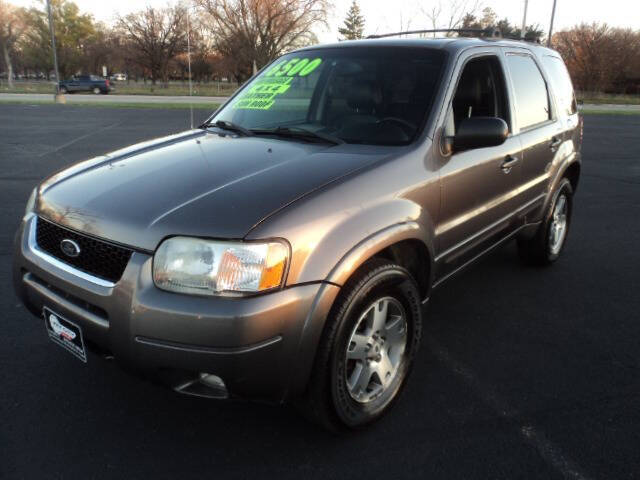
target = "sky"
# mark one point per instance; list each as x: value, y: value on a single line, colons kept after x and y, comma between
x: 393, y: 15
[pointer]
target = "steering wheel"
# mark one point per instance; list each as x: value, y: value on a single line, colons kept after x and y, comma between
x: 400, y: 121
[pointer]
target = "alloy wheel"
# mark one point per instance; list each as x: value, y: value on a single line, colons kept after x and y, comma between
x: 558, y: 226
x: 375, y: 350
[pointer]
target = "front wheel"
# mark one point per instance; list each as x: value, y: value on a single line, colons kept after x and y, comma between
x: 367, y: 349
x: 96, y: 90
x: 547, y: 244
x: 63, y: 90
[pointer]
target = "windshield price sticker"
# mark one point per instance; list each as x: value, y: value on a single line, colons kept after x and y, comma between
x: 276, y: 81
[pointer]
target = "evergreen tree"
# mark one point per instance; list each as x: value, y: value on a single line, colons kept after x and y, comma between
x: 353, y: 24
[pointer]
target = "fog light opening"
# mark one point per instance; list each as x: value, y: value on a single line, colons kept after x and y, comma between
x: 204, y: 385
x: 212, y: 381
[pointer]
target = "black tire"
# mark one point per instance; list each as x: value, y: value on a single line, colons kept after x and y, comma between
x: 538, y: 250
x: 96, y: 90
x: 63, y: 90
x: 327, y: 399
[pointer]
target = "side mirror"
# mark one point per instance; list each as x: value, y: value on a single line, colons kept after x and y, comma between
x: 479, y: 132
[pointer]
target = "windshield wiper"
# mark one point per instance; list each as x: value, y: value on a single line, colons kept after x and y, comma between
x: 230, y: 126
x: 299, y: 132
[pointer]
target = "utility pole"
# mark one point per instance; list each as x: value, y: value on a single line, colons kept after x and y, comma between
x: 524, y: 19
x: 58, y: 98
x: 553, y: 14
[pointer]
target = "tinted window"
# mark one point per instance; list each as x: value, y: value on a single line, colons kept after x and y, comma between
x: 562, y: 87
x: 480, y: 91
x: 532, y: 98
x: 361, y: 95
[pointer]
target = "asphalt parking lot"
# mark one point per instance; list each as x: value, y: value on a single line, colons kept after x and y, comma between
x: 524, y: 373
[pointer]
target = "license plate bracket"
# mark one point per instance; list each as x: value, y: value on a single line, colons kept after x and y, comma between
x: 65, y: 333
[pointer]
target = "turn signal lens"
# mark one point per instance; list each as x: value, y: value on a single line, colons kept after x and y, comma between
x: 275, y: 264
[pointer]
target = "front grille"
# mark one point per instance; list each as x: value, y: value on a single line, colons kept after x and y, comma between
x: 97, y: 257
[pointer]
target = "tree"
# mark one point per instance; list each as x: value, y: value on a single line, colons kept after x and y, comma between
x: 353, y: 24
x: 73, y: 32
x: 158, y: 35
x: 11, y: 28
x: 260, y: 30
x: 489, y: 21
x: 600, y: 58
x: 452, y: 15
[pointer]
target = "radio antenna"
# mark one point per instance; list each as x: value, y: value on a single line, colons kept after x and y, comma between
x: 189, y: 65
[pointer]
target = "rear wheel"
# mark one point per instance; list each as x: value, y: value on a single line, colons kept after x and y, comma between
x: 546, y: 245
x: 96, y: 90
x: 63, y: 90
x: 368, y: 346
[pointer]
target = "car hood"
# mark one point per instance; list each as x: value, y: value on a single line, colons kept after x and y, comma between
x: 195, y: 183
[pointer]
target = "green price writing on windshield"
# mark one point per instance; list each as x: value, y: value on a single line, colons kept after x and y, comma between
x: 276, y: 81
x: 295, y: 66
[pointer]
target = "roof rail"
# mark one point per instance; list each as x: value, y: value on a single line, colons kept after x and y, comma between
x: 481, y: 32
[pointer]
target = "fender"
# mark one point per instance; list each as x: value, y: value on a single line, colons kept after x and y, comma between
x: 314, y: 323
x: 377, y: 242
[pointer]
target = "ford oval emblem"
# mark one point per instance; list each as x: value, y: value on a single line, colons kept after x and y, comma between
x: 70, y: 248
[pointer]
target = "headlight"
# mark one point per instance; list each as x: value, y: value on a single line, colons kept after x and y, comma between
x: 31, y: 203
x: 207, y: 267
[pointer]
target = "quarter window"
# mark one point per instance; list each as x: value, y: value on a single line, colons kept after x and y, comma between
x: 531, y: 95
x: 562, y: 87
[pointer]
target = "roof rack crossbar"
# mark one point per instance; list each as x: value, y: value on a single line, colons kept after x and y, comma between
x: 480, y: 31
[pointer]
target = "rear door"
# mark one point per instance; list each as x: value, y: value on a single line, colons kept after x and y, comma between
x: 536, y: 126
x: 479, y: 187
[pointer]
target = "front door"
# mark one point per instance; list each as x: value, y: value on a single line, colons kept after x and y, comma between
x: 480, y: 193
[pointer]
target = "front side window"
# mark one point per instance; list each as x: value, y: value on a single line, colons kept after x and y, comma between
x: 531, y: 95
x: 377, y: 96
x: 480, y: 92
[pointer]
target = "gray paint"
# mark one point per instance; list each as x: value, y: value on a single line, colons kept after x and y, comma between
x: 336, y: 206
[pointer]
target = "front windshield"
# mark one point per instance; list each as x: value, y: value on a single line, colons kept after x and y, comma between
x: 376, y: 96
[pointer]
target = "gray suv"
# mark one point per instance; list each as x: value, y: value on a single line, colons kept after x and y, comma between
x: 284, y: 250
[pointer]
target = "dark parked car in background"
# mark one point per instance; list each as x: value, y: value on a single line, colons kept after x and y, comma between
x: 284, y: 250
x: 86, y: 83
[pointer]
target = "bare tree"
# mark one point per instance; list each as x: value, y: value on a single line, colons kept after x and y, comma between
x: 158, y: 36
x: 261, y: 30
x: 11, y: 28
x: 449, y: 15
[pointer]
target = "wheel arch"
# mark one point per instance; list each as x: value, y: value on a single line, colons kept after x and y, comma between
x: 572, y: 172
x: 407, y: 244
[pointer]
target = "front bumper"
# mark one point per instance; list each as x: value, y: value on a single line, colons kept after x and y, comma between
x: 262, y: 347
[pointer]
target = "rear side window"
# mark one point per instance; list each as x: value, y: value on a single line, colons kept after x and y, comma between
x: 562, y: 87
x: 532, y: 97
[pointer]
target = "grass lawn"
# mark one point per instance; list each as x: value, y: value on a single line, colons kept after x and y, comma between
x: 608, y: 98
x: 122, y: 88
x: 165, y: 105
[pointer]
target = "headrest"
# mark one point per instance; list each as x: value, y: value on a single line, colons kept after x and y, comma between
x: 364, y: 96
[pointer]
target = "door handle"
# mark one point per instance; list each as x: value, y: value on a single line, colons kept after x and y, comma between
x: 555, y: 143
x: 508, y: 163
